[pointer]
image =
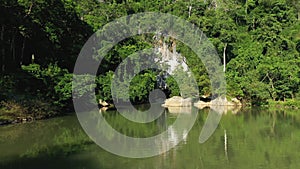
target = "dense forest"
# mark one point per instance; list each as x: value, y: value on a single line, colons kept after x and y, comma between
x: 40, y: 42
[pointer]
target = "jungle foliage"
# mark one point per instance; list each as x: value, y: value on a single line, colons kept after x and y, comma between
x: 40, y: 41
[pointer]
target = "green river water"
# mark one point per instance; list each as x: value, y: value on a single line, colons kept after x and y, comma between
x: 256, y: 138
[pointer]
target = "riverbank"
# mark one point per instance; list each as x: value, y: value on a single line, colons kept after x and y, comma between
x: 12, y: 112
x: 289, y: 103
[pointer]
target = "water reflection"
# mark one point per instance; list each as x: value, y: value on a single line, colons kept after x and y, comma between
x: 180, y: 110
x: 255, y: 138
x: 129, y: 140
x: 226, y: 109
x: 223, y: 109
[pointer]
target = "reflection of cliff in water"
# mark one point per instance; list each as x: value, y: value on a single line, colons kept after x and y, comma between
x: 177, y: 135
x: 177, y: 110
x: 174, y: 132
x: 226, y: 109
x: 221, y: 109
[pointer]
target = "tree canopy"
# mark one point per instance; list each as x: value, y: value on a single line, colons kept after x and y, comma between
x: 258, y: 42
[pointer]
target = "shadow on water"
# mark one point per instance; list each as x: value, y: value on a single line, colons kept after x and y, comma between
x: 50, y: 143
x: 49, y: 162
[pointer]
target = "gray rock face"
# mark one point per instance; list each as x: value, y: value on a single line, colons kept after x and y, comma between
x: 178, y: 101
x: 221, y: 105
x: 201, y: 104
x: 218, y: 102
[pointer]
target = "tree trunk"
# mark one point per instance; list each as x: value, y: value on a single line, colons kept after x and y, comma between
x: 12, y: 49
x: 201, y: 37
x: 2, y: 50
x: 190, y: 11
x: 246, y: 7
x: 22, y: 52
x: 273, y: 93
x: 224, y: 57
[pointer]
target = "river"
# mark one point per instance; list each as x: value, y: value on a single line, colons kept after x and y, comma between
x: 252, y: 138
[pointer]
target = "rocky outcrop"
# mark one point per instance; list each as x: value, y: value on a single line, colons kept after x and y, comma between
x: 218, y: 102
x: 236, y: 102
x: 221, y: 105
x: 226, y: 109
x: 103, y: 103
x: 178, y: 101
x: 105, y: 106
x: 201, y: 104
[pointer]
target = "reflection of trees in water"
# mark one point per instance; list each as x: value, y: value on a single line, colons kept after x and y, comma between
x: 175, y: 134
x: 273, y: 123
x: 42, y: 141
x: 21, y: 138
x: 223, y: 109
x: 129, y: 128
x: 250, y: 141
x: 162, y: 121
